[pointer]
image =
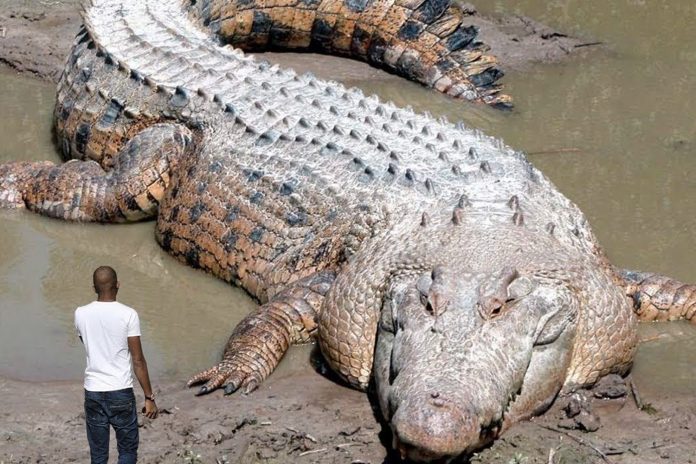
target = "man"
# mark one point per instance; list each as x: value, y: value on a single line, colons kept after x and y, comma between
x: 110, y: 332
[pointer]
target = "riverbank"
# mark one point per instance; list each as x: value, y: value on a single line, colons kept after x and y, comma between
x: 304, y: 417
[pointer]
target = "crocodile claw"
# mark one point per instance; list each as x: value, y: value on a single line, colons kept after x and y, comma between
x: 230, y: 388
x: 228, y: 376
x: 250, y: 386
x: 214, y: 377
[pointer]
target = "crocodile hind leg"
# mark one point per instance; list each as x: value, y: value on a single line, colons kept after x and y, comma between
x: 258, y: 343
x: 659, y: 298
x: 83, y: 191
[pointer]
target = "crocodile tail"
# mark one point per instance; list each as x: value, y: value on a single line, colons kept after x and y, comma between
x: 659, y: 298
x: 429, y: 41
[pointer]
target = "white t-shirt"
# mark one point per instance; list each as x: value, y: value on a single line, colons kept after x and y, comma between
x: 105, y: 328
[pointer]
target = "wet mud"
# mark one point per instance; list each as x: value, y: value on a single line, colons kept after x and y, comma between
x: 304, y: 417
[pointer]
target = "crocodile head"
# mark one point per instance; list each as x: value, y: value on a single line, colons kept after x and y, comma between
x: 460, y: 356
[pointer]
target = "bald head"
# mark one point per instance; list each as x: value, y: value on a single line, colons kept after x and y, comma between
x: 105, y: 281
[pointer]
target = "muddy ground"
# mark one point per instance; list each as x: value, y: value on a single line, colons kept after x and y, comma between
x: 304, y: 416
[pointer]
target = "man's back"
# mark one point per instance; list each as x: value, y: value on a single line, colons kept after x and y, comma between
x: 104, y: 328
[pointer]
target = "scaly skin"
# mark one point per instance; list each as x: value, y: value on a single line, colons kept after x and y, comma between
x: 421, y: 254
x: 426, y: 41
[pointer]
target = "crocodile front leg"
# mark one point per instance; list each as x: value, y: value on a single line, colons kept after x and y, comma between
x: 83, y: 191
x: 258, y: 343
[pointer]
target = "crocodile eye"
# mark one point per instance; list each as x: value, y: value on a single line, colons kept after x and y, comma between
x: 496, y: 310
x: 424, y: 300
x: 427, y: 303
x: 492, y: 307
x: 429, y: 306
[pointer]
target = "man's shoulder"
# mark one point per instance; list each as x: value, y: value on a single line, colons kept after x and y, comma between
x: 127, y: 314
x: 126, y: 308
x: 81, y: 309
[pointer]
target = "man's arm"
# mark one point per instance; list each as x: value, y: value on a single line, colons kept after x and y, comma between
x: 140, y: 370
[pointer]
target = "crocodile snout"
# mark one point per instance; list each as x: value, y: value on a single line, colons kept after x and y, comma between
x: 432, y: 428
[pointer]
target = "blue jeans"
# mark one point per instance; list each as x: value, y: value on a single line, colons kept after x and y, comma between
x: 115, y: 408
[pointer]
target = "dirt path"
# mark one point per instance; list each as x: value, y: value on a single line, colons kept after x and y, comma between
x: 303, y: 417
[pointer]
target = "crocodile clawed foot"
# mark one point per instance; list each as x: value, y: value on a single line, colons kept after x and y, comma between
x: 229, y: 375
x: 261, y: 339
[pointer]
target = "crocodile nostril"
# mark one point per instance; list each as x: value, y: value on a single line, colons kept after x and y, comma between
x: 435, y: 399
x: 438, y: 402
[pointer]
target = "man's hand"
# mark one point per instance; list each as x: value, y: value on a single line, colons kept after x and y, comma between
x: 150, y: 409
x: 140, y: 370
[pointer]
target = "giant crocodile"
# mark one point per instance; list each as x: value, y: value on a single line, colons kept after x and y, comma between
x: 428, y: 259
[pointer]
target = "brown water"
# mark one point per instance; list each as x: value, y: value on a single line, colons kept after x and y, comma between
x: 622, y: 123
x: 46, y: 267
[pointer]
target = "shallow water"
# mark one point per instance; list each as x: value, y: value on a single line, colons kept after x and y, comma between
x: 46, y: 267
x: 618, y: 129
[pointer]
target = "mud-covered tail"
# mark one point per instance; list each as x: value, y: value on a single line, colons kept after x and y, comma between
x: 428, y: 41
x: 658, y: 298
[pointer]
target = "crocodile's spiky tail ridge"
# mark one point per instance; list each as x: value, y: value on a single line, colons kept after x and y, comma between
x: 659, y: 298
x: 429, y: 41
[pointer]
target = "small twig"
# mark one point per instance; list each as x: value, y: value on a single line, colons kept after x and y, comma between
x: 636, y: 396
x: 552, y: 453
x: 345, y: 445
x: 3, y: 31
x: 651, y: 339
x: 662, y: 445
x: 588, y: 44
x: 554, y: 150
x: 310, y: 438
x: 577, y: 439
x: 320, y: 450
x: 266, y: 423
x: 293, y: 430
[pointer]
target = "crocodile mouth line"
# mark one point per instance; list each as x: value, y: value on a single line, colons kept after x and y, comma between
x: 492, y: 430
